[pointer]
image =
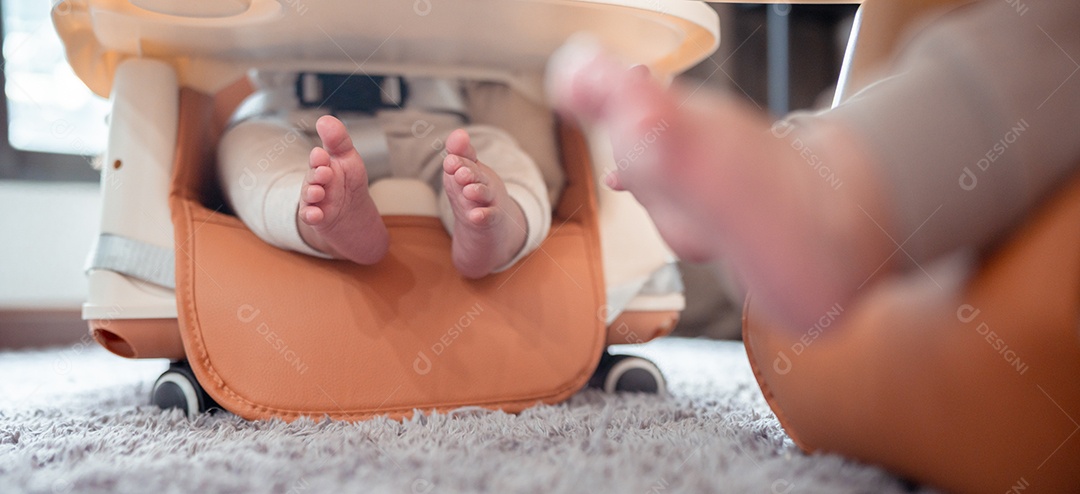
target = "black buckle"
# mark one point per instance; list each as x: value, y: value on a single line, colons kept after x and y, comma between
x: 354, y: 93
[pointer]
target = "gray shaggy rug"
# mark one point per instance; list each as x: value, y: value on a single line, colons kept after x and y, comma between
x: 77, y: 419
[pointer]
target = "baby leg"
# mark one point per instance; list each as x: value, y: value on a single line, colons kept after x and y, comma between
x: 490, y: 228
x: 261, y: 168
x: 337, y: 215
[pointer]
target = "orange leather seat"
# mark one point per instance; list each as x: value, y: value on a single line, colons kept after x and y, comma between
x: 975, y: 391
x: 271, y: 333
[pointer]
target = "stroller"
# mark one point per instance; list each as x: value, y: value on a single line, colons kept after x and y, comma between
x: 266, y: 333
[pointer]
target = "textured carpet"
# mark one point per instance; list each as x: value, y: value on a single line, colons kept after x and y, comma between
x: 77, y: 419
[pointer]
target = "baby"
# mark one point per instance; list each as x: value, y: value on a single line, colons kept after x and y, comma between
x: 976, y: 125
x: 309, y: 191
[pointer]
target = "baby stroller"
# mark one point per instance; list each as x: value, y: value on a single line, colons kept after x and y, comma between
x: 266, y: 333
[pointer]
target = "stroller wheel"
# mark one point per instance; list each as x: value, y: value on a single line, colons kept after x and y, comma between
x: 626, y: 373
x: 178, y: 388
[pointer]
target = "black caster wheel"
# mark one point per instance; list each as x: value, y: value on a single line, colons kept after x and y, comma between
x: 626, y: 373
x: 178, y: 388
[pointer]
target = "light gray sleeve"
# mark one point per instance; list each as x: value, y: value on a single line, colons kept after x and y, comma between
x: 979, y: 122
x: 261, y: 167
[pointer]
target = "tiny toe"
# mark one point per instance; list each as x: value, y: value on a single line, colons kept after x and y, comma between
x: 311, y: 215
x: 318, y: 157
x: 463, y: 176
x: 478, y: 192
x: 458, y: 143
x: 479, y: 216
x: 334, y: 135
x: 320, y: 176
x: 612, y: 181
x: 468, y: 175
x: 452, y: 163
x: 314, y: 193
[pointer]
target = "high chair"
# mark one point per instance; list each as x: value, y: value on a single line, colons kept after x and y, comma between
x: 265, y: 333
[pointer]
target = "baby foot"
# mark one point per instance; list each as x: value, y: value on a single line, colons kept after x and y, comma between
x: 337, y: 215
x: 719, y: 185
x: 489, y: 227
x: 654, y: 142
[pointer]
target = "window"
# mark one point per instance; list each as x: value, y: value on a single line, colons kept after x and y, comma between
x: 51, y: 124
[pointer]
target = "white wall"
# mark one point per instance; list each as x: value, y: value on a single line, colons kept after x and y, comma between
x: 46, y: 230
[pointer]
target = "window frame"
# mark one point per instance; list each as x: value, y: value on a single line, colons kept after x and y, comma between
x: 18, y: 164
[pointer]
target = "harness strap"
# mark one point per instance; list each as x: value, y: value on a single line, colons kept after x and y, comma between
x: 134, y: 258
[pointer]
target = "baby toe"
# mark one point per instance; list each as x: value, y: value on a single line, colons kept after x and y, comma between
x: 312, y: 215
x: 458, y: 143
x: 313, y: 194
x: 479, y: 193
x: 318, y: 157
x: 452, y: 163
x: 481, y: 216
x: 320, y: 176
x: 465, y: 176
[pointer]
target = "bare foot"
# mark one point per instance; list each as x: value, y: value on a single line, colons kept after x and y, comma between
x: 718, y: 184
x: 337, y: 215
x: 489, y: 227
